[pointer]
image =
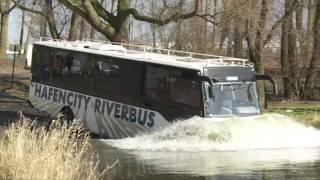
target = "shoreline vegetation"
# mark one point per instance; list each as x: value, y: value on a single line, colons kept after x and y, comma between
x: 305, y: 112
x: 30, y: 152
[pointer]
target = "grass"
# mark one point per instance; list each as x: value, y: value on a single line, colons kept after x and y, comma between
x: 63, y: 152
x: 305, y: 112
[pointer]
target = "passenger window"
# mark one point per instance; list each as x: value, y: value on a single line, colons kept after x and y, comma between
x: 184, y: 91
x: 36, y: 66
x: 107, y: 69
x: 157, y: 83
x: 75, y: 64
x: 67, y: 69
x: 117, y: 79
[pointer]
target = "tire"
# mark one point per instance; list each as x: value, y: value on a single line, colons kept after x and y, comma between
x: 65, y: 115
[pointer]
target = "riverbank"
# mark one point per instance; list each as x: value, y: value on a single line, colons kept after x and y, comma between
x: 14, y: 96
x: 307, y: 112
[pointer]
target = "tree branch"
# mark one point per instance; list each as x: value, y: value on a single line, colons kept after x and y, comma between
x: 160, y: 22
x: 10, y: 9
x: 95, y: 20
x: 102, y: 12
x: 280, y: 21
x: 24, y: 8
x: 209, y: 17
x: 76, y: 7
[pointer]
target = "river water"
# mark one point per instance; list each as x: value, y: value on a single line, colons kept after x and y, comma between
x: 270, y: 146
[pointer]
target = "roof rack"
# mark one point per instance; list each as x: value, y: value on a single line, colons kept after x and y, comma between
x: 146, y: 50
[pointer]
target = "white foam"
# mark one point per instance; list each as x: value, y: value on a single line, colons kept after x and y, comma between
x: 268, y: 131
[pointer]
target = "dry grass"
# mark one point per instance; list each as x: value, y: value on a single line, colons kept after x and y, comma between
x: 34, y: 153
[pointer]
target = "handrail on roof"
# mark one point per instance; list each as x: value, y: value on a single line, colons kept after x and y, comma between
x: 210, y: 58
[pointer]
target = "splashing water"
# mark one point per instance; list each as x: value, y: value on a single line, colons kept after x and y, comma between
x: 268, y: 131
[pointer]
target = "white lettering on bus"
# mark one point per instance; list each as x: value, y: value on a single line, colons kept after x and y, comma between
x: 108, y: 108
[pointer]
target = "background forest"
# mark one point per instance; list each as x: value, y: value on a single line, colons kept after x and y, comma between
x: 282, y: 37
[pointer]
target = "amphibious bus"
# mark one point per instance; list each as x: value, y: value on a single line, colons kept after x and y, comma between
x: 121, y: 90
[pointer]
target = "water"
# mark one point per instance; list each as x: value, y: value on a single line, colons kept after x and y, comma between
x: 270, y: 146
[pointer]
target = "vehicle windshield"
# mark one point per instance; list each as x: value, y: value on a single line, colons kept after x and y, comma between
x: 232, y: 99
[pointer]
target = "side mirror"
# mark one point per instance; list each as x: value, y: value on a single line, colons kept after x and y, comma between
x: 206, y: 79
x: 210, y: 91
x: 265, y: 77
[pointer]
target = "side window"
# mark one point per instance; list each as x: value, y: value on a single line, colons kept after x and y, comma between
x: 74, y: 63
x: 171, y: 86
x: 56, y: 64
x: 77, y: 71
x: 107, y: 68
x: 69, y: 70
x: 117, y: 79
x: 184, y: 91
x: 157, y: 83
x: 45, y: 58
x: 36, y: 63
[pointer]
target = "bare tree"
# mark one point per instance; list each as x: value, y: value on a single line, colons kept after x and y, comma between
x: 113, y: 25
x: 315, y: 60
x: 45, y: 8
x: 5, y: 9
x: 74, y: 25
x: 285, y: 51
x: 258, y: 35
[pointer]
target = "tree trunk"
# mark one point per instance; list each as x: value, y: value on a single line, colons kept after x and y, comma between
x: 255, y: 51
x: 197, y: 30
x: 229, y: 46
x: 284, y: 54
x: 302, y: 45
x: 43, y: 27
x: 299, y: 21
x: 4, y: 11
x: 258, y: 52
x: 260, y: 70
x: 22, y: 33
x: 224, y: 35
x: 121, y: 34
x: 310, y: 24
x: 74, y: 26
x: 237, y: 52
x: 4, y: 34
x: 92, y: 33
x: 292, y: 59
x: 82, y: 29
x: 122, y: 27
x: 214, y: 26
x: 315, y: 60
x: 205, y: 28
x: 178, y: 41
x: 153, y: 26
x: 288, y: 53
x: 51, y: 22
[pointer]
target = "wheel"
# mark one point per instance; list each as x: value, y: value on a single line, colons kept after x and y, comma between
x: 65, y: 115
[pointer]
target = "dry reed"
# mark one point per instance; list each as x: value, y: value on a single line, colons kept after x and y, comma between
x: 27, y: 152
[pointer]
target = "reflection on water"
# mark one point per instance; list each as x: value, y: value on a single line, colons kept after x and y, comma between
x: 268, y: 147
x: 253, y: 164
